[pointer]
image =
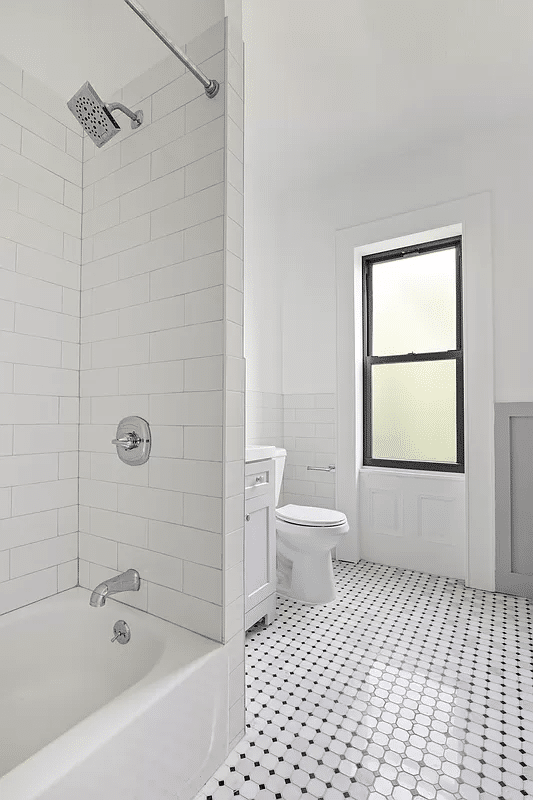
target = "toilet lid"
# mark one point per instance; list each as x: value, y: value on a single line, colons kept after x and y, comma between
x: 310, y: 516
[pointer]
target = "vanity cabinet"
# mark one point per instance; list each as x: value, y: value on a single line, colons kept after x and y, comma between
x: 259, y: 543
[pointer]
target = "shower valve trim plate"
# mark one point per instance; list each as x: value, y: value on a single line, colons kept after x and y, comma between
x: 133, y: 441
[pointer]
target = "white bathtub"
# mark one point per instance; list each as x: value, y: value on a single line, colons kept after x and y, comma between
x: 83, y: 718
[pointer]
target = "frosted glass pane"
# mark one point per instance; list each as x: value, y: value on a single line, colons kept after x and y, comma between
x: 413, y: 304
x: 413, y: 411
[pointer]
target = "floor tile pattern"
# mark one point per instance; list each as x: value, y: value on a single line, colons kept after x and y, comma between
x: 407, y: 686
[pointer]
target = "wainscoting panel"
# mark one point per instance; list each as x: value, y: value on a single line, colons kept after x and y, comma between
x: 414, y: 520
x: 436, y: 518
x: 514, y: 498
x: 385, y: 512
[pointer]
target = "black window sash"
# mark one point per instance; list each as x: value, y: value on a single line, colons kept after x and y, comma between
x: 369, y: 360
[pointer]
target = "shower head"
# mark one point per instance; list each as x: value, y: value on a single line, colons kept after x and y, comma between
x: 95, y: 116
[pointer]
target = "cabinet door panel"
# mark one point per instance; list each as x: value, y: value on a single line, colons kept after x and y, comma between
x: 259, y: 534
x: 258, y: 555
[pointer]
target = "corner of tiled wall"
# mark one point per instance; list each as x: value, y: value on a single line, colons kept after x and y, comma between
x: 234, y: 383
x: 153, y: 344
x: 40, y: 235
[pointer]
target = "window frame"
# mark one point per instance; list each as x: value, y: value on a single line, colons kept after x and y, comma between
x: 456, y: 355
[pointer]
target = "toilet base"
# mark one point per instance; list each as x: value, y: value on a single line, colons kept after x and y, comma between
x: 283, y: 593
x: 309, y: 579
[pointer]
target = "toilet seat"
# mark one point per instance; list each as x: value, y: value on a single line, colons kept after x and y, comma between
x: 311, y: 517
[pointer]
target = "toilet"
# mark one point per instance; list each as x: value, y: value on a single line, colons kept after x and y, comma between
x: 305, y: 537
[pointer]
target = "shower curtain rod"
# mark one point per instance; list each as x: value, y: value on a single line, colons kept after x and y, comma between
x: 211, y: 86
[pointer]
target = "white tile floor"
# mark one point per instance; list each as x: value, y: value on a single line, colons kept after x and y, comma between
x: 407, y: 686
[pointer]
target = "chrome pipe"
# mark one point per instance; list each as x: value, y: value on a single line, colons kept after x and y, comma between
x: 135, y: 116
x: 211, y: 86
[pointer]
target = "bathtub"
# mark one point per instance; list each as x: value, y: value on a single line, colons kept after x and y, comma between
x: 83, y: 718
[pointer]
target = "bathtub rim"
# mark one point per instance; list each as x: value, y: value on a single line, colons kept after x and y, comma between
x: 29, y: 779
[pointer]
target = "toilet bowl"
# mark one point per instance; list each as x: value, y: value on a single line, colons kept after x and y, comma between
x: 305, y: 538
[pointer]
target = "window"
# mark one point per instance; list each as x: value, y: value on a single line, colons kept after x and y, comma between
x: 413, y: 414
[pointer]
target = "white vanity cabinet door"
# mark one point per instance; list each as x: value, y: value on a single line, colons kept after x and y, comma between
x: 260, y: 543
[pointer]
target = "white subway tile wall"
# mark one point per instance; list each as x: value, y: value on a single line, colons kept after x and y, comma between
x: 309, y: 438
x: 160, y: 300
x: 264, y: 418
x: 40, y: 233
x: 154, y: 344
x: 304, y: 424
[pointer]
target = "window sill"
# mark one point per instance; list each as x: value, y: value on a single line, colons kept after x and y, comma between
x: 417, y: 473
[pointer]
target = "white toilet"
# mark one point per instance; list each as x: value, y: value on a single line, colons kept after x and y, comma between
x: 305, y: 537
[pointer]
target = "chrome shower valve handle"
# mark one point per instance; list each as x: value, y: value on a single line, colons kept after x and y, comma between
x: 128, y: 442
x: 133, y: 441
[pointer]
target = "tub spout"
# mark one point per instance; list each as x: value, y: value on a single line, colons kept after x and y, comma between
x: 129, y: 581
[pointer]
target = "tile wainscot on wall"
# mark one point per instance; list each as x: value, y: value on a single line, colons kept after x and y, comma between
x: 304, y: 424
x: 309, y: 438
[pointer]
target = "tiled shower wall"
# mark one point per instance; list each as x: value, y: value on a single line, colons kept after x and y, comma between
x: 157, y: 323
x: 40, y: 230
x: 162, y: 332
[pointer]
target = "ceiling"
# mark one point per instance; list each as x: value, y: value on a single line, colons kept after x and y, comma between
x: 331, y: 85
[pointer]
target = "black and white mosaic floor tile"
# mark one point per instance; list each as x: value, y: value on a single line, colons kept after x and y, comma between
x: 407, y: 686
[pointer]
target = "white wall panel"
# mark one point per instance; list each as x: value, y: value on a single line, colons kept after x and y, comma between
x: 413, y: 521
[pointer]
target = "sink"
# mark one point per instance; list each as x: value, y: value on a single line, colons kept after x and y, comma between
x: 259, y: 452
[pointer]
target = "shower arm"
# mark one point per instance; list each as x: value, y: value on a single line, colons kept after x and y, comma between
x: 136, y: 117
x: 211, y: 86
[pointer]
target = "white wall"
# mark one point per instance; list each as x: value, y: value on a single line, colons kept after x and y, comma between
x: 262, y: 287
x: 304, y: 225
x: 499, y: 161
x: 40, y: 230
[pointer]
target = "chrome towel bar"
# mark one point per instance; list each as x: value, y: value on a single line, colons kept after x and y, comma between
x: 331, y: 468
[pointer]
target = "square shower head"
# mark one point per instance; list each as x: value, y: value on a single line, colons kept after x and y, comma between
x: 93, y: 115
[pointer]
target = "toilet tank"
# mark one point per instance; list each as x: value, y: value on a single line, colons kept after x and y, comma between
x: 280, y: 454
